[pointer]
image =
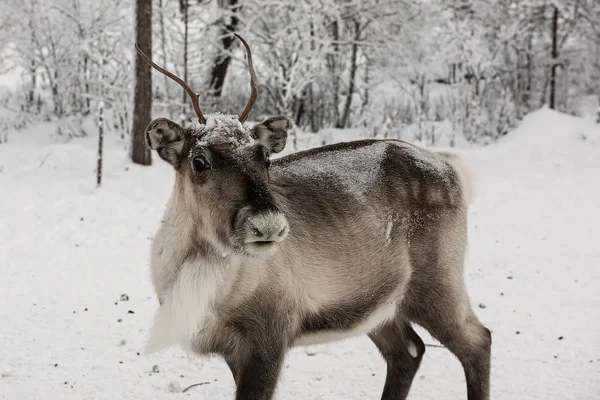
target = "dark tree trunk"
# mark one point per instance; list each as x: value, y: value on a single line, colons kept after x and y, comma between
x: 554, y: 57
x: 219, y: 71
x: 140, y: 153
x: 529, y: 79
x: 56, y: 98
x: 301, y: 109
x: 86, y: 85
x: 314, y: 127
x: 163, y: 44
x: 351, y: 81
x: 100, y: 140
x: 365, y: 100
x: 31, y: 95
x: 332, y: 60
x: 185, y: 6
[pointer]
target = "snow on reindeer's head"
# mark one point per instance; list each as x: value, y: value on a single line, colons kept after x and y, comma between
x: 222, y: 168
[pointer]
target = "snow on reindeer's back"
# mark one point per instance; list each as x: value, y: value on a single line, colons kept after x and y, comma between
x: 355, y: 167
x: 352, y: 168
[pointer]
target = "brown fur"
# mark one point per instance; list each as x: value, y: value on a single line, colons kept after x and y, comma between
x: 376, y: 236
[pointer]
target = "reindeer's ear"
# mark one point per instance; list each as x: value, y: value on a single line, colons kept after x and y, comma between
x: 272, y: 133
x: 168, y: 139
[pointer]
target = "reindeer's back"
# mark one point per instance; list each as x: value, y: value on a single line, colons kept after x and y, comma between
x: 372, y: 173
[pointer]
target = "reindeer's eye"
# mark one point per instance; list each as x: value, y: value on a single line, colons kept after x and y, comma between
x: 200, y: 164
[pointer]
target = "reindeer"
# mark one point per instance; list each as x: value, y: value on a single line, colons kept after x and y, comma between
x: 255, y: 256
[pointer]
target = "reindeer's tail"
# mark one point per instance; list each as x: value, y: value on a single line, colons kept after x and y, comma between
x: 466, y: 175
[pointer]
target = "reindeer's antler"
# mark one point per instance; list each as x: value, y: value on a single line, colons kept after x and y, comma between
x: 253, y: 83
x: 193, y: 95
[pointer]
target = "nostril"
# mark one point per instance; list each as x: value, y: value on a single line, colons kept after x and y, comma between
x: 282, y: 232
x: 256, y: 232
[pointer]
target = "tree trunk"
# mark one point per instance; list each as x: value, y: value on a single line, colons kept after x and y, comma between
x: 529, y: 79
x: 31, y: 95
x: 56, y: 96
x: 100, y: 140
x: 335, y: 74
x: 86, y: 85
x: 163, y: 43
x: 32, y: 69
x: 554, y: 57
x: 311, y: 95
x: 219, y: 71
x: 367, y: 78
x: 185, y: 5
x: 301, y: 108
x: 140, y: 153
x: 351, y: 81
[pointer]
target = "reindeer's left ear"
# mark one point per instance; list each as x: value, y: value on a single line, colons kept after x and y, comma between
x: 272, y: 133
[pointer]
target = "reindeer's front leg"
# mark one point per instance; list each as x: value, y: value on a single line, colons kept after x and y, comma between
x: 262, y: 335
x: 259, y: 371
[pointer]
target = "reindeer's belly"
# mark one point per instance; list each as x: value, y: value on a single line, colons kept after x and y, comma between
x: 343, y: 322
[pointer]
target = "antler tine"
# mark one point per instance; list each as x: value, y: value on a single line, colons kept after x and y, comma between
x: 253, y: 83
x: 193, y: 96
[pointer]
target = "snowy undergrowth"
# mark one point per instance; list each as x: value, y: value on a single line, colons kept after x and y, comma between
x: 68, y: 251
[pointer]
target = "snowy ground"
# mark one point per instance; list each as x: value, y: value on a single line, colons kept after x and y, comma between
x: 68, y: 251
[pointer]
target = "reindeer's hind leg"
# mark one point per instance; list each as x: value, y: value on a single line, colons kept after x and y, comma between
x: 402, y: 349
x: 439, y: 302
x: 470, y: 342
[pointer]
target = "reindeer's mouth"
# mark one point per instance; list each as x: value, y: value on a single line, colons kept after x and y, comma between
x: 264, y: 242
x: 261, y: 247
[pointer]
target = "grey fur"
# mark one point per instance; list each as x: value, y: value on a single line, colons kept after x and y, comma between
x: 376, y: 237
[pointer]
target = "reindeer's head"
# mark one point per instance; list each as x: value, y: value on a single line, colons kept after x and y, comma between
x: 222, y: 169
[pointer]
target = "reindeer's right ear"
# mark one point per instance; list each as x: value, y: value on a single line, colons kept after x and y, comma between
x: 168, y: 139
x: 272, y: 133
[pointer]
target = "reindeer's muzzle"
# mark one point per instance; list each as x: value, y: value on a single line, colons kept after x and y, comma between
x: 265, y: 231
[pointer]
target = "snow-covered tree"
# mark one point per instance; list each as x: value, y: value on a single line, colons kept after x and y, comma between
x: 395, y: 68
